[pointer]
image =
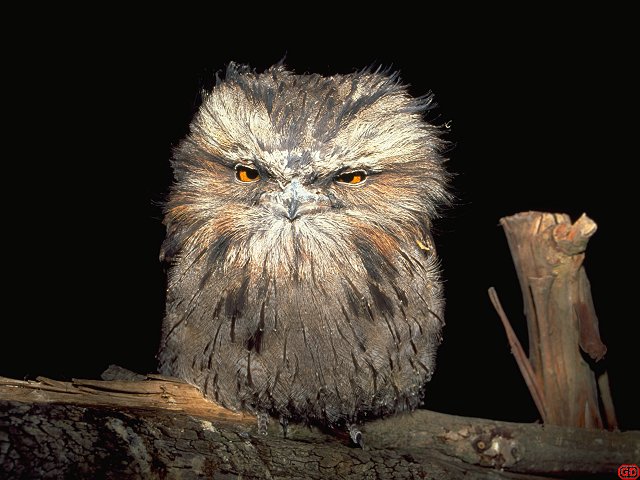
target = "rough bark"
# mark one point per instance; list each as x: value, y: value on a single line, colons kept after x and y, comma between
x: 159, y: 428
x: 548, y: 252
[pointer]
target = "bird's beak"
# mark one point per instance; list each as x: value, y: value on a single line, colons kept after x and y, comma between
x: 296, y: 200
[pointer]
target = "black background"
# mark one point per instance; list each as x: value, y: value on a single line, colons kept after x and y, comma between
x: 537, y: 114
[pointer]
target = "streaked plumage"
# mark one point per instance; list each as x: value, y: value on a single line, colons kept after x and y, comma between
x: 303, y: 280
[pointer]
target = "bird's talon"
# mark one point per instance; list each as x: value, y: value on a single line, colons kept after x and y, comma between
x: 284, y: 422
x: 263, y: 423
x: 356, y: 436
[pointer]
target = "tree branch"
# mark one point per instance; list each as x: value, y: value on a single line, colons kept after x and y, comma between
x: 163, y: 428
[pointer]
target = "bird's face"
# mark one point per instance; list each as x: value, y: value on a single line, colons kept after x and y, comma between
x: 289, y: 174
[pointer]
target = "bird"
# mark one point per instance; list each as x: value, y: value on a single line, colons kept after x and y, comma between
x: 302, y: 278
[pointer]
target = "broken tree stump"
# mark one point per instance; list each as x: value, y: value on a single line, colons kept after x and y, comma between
x: 548, y: 253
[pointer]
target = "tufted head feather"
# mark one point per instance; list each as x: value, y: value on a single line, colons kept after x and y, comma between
x: 311, y: 128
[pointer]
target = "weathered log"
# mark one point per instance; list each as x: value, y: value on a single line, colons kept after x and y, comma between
x: 161, y: 428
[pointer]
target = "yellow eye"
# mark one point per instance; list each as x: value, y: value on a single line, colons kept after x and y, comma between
x: 247, y: 174
x: 352, y: 178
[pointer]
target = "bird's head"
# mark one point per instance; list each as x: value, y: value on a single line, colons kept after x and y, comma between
x: 285, y: 173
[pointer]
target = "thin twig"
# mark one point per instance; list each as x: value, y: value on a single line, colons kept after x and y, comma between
x: 607, y: 401
x: 524, y: 365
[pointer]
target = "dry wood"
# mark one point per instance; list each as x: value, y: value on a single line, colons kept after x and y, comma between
x: 530, y: 378
x: 163, y: 428
x: 548, y: 252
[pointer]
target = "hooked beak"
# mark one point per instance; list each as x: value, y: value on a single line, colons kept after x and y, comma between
x: 296, y: 200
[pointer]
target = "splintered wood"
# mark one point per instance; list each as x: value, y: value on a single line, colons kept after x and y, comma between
x: 548, y: 252
x: 154, y: 392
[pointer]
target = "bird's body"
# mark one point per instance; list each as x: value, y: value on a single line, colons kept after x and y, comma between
x: 303, y: 281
